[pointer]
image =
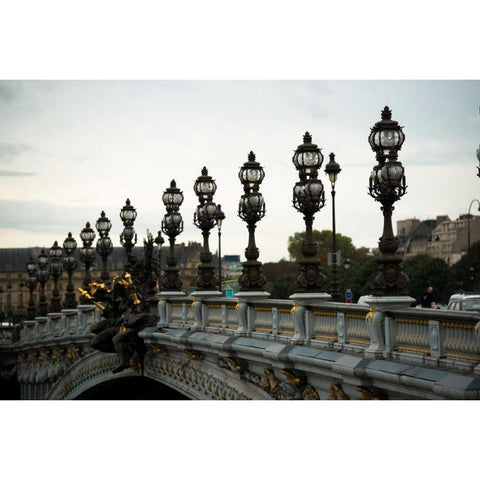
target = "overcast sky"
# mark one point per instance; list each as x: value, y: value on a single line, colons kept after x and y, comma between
x: 69, y: 149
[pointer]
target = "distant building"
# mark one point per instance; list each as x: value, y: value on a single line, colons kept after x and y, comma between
x: 441, y: 238
x: 13, y: 263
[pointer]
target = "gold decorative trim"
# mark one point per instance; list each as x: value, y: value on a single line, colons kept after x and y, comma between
x: 285, y: 332
x: 413, y: 349
x: 458, y: 325
x: 284, y: 310
x: 214, y: 306
x: 463, y: 357
x: 354, y: 316
x: 411, y: 321
x: 325, y: 314
x: 326, y: 337
x: 214, y: 324
x: 262, y: 329
x: 262, y: 309
x: 360, y: 342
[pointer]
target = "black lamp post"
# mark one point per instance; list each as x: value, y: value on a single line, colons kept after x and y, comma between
x: 69, y: 264
x: 332, y: 169
x: 159, y: 241
x: 387, y: 185
x: 346, y: 265
x: 478, y: 157
x: 31, y: 284
x: 220, y: 219
x: 172, y: 226
x: 468, y: 222
x: 128, y: 238
x: 205, y: 218
x: 251, y: 210
x: 308, y: 198
x: 55, y: 254
x: 87, y: 252
x: 42, y: 276
x: 21, y: 286
x: 104, y: 243
x: 9, y: 302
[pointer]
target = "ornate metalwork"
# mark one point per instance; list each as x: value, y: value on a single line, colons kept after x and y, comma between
x: 251, y: 210
x: 387, y: 185
x: 172, y: 226
x: 55, y: 254
x: 205, y: 218
x: 31, y: 284
x: 69, y: 264
x: 42, y: 277
x: 309, y: 198
x: 128, y: 237
x: 159, y: 241
x: 104, y: 243
x: 87, y: 252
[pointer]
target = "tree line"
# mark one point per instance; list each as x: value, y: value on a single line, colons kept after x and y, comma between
x: 422, y: 270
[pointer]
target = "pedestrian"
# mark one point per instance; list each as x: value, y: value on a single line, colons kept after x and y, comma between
x: 429, y: 299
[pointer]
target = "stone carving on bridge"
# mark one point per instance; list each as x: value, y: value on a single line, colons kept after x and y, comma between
x: 371, y: 393
x: 337, y: 392
x: 294, y: 388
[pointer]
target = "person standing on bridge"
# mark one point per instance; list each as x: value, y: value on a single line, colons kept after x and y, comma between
x: 429, y: 299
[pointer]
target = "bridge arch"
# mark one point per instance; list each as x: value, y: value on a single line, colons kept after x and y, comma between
x: 188, y: 379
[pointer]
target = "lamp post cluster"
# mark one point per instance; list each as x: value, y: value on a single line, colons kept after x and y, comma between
x: 251, y: 209
x: 55, y: 254
x: 172, y: 226
x: 387, y: 185
x: 128, y: 237
x: 308, y: 199
x: 205, y: 218
x: 104, y: 243
x: 69, y: 264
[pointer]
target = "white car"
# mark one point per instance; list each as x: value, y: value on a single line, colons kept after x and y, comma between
x: 464, y: 302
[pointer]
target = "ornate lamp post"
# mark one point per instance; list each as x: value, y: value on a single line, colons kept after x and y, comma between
x: 172, y: 226
x: 9, y: 302
x: 332, y: 169
x: 21, y: 286
x: 309, y: 198
x: 31, y: 284
x: 387, y: 185
x: 251, y: 210
x: 159, y: 241
x: 42, y: 276
x: 205, y: 218
x: 104, y: 243
x: 87, y: 252
x: 220, y: 219
x: 128, y: 238
x: 69, y: 264
x: 55, y: 254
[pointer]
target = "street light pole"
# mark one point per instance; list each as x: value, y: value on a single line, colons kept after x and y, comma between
x: 220, y: 219
x: 332, y: 169
x: 468, y: 222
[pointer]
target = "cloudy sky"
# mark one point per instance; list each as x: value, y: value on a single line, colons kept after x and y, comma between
x: 69, y: 149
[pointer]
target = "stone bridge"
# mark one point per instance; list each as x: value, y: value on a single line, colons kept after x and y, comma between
x: 222, y: 348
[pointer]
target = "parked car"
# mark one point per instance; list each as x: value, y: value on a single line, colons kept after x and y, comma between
x: 464, y: 302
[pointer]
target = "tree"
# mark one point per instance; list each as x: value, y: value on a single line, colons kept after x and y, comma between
x: 324, y: 243
x: 466, y: 272
x: 423, y: 271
